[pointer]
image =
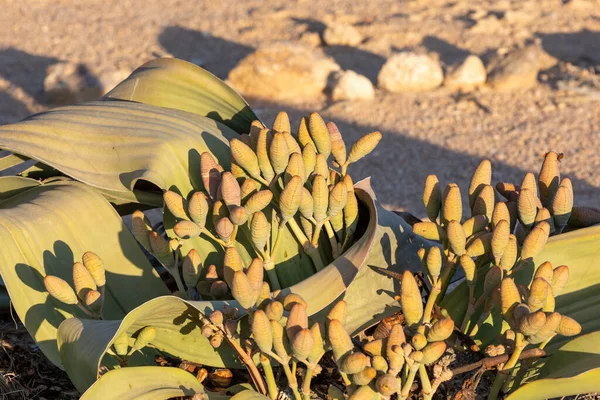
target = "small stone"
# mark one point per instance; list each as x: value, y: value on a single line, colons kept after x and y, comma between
x: 69, y: 83
x: 352, y: 86
x: 467, y: 75
x: 517, y: 70
x: 410, y: 72
x: 283, y: 71
x: 489, y: 24
x: 342, y: 35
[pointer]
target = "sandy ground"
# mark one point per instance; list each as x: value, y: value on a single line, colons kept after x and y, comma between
x: 436, y: 132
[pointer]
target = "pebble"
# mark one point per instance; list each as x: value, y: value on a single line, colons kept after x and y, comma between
x: 311, y: 39
x: 342, y: 35
x: 410, y: 72
x: 517, y: 70
x: 283, y: 71
x: 350, y: 85
x: 467, y: 75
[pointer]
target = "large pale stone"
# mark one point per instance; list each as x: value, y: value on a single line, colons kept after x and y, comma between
x: 410, y: 72
x: 283, y: 71
x: 467, y: 75
x: 352, y: 86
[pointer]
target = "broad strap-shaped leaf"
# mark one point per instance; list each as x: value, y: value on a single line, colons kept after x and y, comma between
x: 111, y: 145
x: 573, y: 369
x: 387, y: 241
x: 12, y: 185
x: 579, y: 299
x: 178, y: 84
x: 43, y: 231
x: 145, y: 383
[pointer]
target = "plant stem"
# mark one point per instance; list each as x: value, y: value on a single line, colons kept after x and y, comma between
x: 403, y: 395
x: 433, y: 295
x: 425, y: 383
x: 247, y: 361
x: 278, y: 239
x: 447, y: 275
x: 312, y: 252
x: 269, y: 376
x: 86, y: 311
x: 503, y: 375
x: 269, y: 266
x: 294, y: 366
x: 306, y: 384
x: 345, y: 378
x: 213, y: 237
x: 332, y: 240
x: 292, y: 382
x: 470, y: 307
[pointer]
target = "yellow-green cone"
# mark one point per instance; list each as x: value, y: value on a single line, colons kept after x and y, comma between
x: 230, y: 190
x: 191, y: 268
x: 187, y: 229
x: 289, y: 201
x: 432, y: 197
x: 481, y: 176
x: 338, y: 147
x: 176, y: 204
x: 303, y: 135
x: 509, y: 297
x: 337, y: 199
x: 144, y: 338
x: 232, y: 262
x: 456, y: 237
x: 224, y: 228
x: 161, y: 249
x: 548, y: 330
x: 295, y: 167
x: 484, y: 202
x: 500, y: 213
x: 274, y: 310
x: 531, y: 324
x: 82, y: 280
x: 568, y: 326
x: 549, y: 177
x: 511, y: 252
x: 260, y: 230
x: 480, y: 245
x: 441, y: 330
x: 433, y: 351
x: 500, y: 239
x: 320, y: 195
x: 527, y: 207
x: 418, y: 341
x: 140, y: 227
x: 302, y: 344
x: 261, y: 331
x: 475, y: 224
x: 451, y: 204
x: 60, y: 290
x: 535, y: 240
x: 262, y: 155
x: 429, y: 230
x: 410, y: 299
x: 211, y: 174
x: 560, y: 276
x: 95, y: 267
x: 242, y: 290
x: 319, y: 134
x: 309, y: 157
x: 468, y: 266
x: 387, y: 385
x: 364, y: 146
x: 244, y: 157
x: 121, y: 344
x: 562, y: 203
x: 282, y: 122
x: 354, y: 363
x: 279, y: 153
x: 434, y: 262
x: 538, y: 294
x: 198, y: 208
x: 258, y: 201
x: 340, y: 341
x: 93, y: 300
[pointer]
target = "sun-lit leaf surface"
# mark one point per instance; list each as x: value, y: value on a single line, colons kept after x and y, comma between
x: 12, y: 185
x: 112, y: 145
x: 145, y: 383
x: 572, y: 369
x: 173, y: 83
x: 43, y: 231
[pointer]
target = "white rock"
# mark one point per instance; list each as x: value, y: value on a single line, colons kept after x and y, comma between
x: 342, y: 35
x: 352, y: 86
x: 410, y: 72
x: 467, y: 75
x: 283, y: 71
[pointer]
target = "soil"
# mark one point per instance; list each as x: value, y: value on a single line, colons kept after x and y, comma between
x: 439, y: 132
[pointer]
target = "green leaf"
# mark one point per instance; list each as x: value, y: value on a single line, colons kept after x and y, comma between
x: 178, y: 84
x: 573, y: 369
x: 145, y: 383
x: 112, y: 145
x: 43, y: 231
x: 12, y: 185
